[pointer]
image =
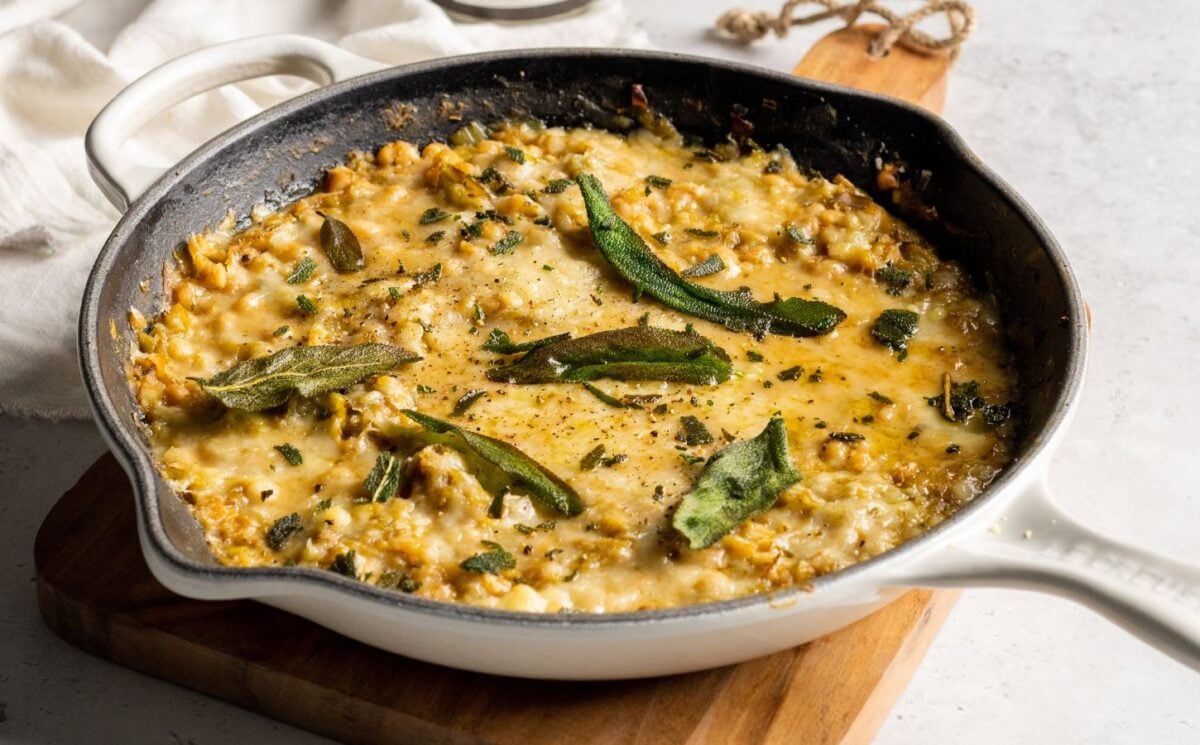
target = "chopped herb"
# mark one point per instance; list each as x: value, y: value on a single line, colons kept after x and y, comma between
x: 475, y: 229
x: 465, y: 401
x: 637, y: 401
x: 496, y: 508
x: 658, y: 182
x: 896, y: 279
x: 384, y: 480
x: 544, y: 220
x: 283, y: 529
x: 876, y: 395
x: 663, y: 237
x: 266, y: 494
x: 711, y: 265
x: 625, y: 250
x: 290, y: 454
x: 693, y: 432
x: 797, y: 235
x: 435, y: 236
x: 422, y: 388
x: 740, y: 481
x: 592, y: 459
x: 701, y: 233
x: 547, y: 268
x: 635, y: 353
x: 493, y: 561
x: 515, y: 154
x: 773, y: 167
x: 847, y: 436
x: 963, y: 401
x: 492, y: 215
x: 394, y: 294
x: 817, y: 376
x: 894, y: 328
x: 323, y: 505
x: 345, y: 565
x: 690, y: 459
x: 433, y: 274
x: 306, y: 305
x: 996, y: 414
x: 265, y: 382
x: 557, y: 186
x: 612, y: 401
x: 498, y: 341
x: 341, y: 245
x: 644, y: 319
x: 661, y: 409
x: 754, y: 356
x: 432, y: 215
x: 792, y: 373
x: 614, y: 460
x: 408, y: 237
x: 408, y: 584
x: 504, y: 463
x: 506, y: 244
x: 708, y: 156
x: 281, y: 330
x: 302, y: 272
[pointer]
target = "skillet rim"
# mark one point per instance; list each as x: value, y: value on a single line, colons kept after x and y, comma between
x: 135, y: 459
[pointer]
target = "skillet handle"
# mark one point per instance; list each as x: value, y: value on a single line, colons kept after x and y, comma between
x: 1037, y: 546
x: 193, y: 73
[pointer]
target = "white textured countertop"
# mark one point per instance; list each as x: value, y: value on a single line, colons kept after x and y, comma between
x: 1091, y: 110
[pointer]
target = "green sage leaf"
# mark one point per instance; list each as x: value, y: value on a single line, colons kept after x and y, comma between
x: 635, y: 353
x: 283, y: 529
x: 493, y: 561
x: 625, y: 250
x: 385, y: 478
x: 302, y: 272
x: 711, y: 265
x: 739, y: 482
x: 341, y: 245
x: 264, y: 382
x: 509, y: 466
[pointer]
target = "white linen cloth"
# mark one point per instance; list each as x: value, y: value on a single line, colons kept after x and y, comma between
x: 54, y: 79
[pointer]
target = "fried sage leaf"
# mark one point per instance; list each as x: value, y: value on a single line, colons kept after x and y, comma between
x: 635, y: 353
x: 739, y: 482
x: 625, y: 250
x: 264, y: 382
x: 341, y: 245
x: 498, y: 341
x: 894, y: 328
x: 385, y: 478
x: 510, y: 466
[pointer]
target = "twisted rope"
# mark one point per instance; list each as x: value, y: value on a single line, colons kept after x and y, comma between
x: 747, y: 25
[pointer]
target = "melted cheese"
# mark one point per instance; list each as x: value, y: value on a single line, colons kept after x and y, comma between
x: 231, y: 301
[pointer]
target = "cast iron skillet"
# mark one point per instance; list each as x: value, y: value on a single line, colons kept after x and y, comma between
x: 1013, y: 535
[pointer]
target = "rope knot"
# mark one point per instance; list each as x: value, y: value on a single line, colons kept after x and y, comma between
x: 747, y: 26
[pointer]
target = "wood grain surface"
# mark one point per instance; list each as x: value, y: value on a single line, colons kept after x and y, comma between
x: 95, y: 591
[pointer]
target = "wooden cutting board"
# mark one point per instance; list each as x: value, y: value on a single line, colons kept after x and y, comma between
x: 95, y: 591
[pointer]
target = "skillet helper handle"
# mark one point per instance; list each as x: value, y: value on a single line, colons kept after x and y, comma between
x: 176, y: 81
x: 1035, y: 545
